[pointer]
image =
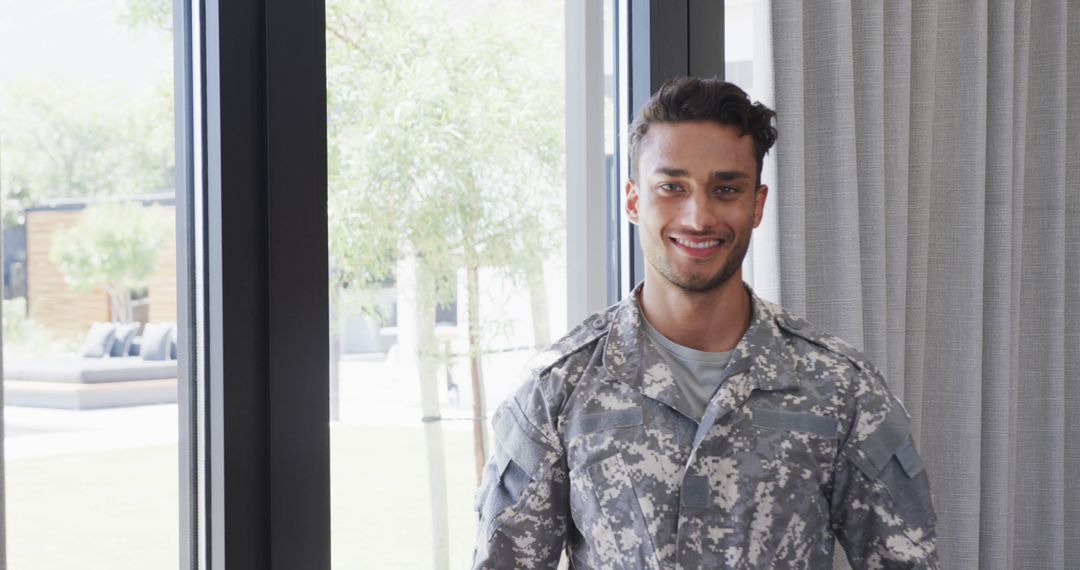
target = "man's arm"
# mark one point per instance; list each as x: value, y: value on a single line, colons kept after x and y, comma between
x: 523, y: 500
x: 882, y: 510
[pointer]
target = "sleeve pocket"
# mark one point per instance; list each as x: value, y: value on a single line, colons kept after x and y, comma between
x: 909, y: 459
x: 513, y: 438
x: 504, y: 482
x: 888, y: 456
x: 518, y: 459
x: 910, y: 490
x: 888, y: 440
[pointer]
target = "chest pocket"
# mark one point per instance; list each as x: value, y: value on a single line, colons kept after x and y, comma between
x: 603, y: 501
x: 804, y: 422
x: 601, y: 421
x: 605, y: 508
x: 799, y: 445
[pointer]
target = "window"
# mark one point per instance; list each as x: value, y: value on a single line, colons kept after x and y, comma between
x: 748, y: 64
x: 90, y: 285
x: 447, y: 240
x: 266, y: 171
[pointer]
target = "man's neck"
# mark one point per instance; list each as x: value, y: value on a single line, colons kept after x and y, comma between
x: 712, y: 321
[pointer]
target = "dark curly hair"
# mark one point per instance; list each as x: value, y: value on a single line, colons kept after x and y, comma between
x: 689, y: 99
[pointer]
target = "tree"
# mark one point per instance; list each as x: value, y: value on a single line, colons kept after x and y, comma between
x: 445, y: 145
x: 62, y: 141
x: 113, y: 246
x: 156, y: 14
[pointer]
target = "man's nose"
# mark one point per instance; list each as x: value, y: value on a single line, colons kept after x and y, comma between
x: 698, y: 212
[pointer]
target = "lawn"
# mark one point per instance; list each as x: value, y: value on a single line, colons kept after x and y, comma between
x: 117, y: 509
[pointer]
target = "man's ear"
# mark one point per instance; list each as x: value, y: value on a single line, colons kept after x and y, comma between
x: 760, y: 195
x: 631, y: 201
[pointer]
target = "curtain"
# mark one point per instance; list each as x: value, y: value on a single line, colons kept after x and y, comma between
x: 928, y: 190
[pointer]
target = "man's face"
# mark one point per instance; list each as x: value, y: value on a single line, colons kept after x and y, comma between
x: 695, y: 202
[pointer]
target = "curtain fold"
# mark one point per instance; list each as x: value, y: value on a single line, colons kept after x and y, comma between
x: 929, y: 202
x: 1071, y: 402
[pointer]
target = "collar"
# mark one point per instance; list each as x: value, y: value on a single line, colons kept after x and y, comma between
x: 762, y: 360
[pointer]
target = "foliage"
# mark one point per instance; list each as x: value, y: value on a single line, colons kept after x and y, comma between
x: 147, y: 13
x: 445, y: 138
x: 26, y: 338
x: 59, y: 141
x: 114, y: 246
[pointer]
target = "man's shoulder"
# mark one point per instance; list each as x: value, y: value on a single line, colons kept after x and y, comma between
x: 553, y: 373
x: 579, y: 341
x: 806, y: 338
x: 837, y: 363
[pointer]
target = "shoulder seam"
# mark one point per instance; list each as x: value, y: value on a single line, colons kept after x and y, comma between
x: 828, y: 342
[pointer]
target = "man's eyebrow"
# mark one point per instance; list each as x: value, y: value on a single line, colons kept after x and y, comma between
x: 721, y: 175
x: 729, y: 175
x: 672, y: 172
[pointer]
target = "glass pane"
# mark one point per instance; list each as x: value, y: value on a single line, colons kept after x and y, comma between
x: 447, y: 236
x: 739, y: 38
x: 748, y: 64
x: 613, y: 125
x: 89, y: 289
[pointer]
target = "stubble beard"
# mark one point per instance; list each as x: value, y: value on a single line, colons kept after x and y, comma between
x: 696, y: 282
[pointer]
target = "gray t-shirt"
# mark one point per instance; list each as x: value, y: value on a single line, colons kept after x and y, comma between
x: 697, y: 373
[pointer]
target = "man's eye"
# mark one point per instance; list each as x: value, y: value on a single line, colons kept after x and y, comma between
x: 669, y: 187
x: 727, y: 190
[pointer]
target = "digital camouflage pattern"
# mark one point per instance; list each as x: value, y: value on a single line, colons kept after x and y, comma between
x: 598, y: 454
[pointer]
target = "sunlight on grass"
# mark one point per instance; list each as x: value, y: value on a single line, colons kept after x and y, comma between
x: 117, y: 510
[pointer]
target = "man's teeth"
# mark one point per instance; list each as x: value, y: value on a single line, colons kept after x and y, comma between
x: 698, y: 244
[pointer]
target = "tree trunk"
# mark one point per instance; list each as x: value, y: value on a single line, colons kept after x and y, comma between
x: 538, y: 300
x: 335, y: 354
x: 427, y: 365
x: 120, y: 305
x: 477, y: 372
x: 114, y: 306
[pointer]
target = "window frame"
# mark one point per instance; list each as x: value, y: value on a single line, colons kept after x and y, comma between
x: 184, y: 112
x: 251, y: 160
x: 587, y: 257
x: 664, y: 38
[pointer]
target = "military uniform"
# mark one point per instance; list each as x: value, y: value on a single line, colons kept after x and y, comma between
x: 599, y: 453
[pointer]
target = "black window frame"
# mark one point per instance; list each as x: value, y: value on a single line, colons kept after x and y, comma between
x: 251, y: 164
x: 666, y: 38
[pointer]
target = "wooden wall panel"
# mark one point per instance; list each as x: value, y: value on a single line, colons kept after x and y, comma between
x: 67, y: 312
x: 162, y: 283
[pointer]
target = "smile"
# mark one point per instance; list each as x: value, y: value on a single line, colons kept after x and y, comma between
x: 698, y: 244
x: 697, y: 248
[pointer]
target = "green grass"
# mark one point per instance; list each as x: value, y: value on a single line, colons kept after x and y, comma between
x: 118, y: 510
x: 96, y: 511
x: 380, y: 497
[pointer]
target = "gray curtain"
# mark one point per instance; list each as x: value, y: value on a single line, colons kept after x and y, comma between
x: 929, y: 204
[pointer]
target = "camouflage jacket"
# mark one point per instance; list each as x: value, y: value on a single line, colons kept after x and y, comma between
x: 598, y: 454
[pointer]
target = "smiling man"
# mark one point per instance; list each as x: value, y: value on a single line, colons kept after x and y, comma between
x: 695, y: 425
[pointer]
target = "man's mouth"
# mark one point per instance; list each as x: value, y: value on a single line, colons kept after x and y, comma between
x: 697, y: 247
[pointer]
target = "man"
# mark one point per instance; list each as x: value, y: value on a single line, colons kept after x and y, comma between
x: 694, y: 425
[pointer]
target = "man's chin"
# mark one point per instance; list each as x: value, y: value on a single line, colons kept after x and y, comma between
x: 701, y: 283
x: 692, y: 277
